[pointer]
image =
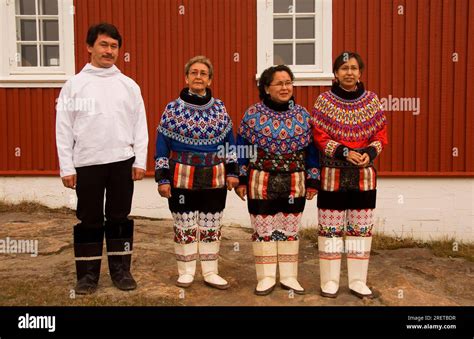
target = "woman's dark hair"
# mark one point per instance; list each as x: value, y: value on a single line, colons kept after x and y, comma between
x: 267, y: 77
x: 345, y: 57
x: 103, y: 28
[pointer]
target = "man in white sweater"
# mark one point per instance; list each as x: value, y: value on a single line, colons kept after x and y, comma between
x: 102, y: 141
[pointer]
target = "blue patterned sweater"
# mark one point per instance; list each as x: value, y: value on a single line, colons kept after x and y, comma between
x: 282, y: 135
x: 196, y: 125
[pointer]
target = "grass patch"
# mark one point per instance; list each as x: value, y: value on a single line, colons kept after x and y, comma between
x: 29, y: 293
x: 31, y: 207
x: 35, y: 207
x: 445, y: 248
x: 310, y: 234
x: 137, y: 300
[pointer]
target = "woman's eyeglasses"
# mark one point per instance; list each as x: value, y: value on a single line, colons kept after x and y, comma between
x: 282, y: 84
x: 195, y: 74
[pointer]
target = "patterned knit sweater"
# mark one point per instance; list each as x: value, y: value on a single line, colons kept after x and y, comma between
x: 194, y: 131
x: 344, y: 121
x: 282, y: 136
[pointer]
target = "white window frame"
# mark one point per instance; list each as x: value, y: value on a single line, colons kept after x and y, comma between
x: 319, y: 74
x: 13, y: 76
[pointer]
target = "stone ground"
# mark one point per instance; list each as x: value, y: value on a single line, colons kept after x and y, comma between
x: 402, y: 277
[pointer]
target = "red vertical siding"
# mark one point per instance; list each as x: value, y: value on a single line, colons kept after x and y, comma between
x: 410, y: 75
x: 386, y: 74
x: 407, y: 55
x: 434, y: 85
x: 469, y: 112
x: 4, y: 147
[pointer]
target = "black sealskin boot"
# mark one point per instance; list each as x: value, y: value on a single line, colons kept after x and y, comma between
x: 88, y: 257
x: 119, y: 238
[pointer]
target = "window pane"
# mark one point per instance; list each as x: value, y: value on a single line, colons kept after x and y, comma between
x: 50, y: 56
x: 27, y: 7
x: 304, y: 6
x: 28, y: 55
x: 305, y: 54
x: 283, y: 28
x: 50, y: 30
x: 305, y: 28
x: 49, y: 7
x: 28, y: 30
x: 283, y: 54
x: 283, y: 6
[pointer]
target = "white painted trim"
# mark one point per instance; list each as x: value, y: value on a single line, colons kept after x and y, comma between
x: 33, y: 81
x: 14, y: 77
x: 4, y: 62
x: 309, y: 79
x: 319, y: 74
x: 264, y: 30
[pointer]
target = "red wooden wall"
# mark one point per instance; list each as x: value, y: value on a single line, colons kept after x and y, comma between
x: 407, y: 55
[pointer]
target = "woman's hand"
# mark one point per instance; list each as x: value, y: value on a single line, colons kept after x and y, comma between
x: 232, y: 182
x: 241, y: 191
x: 365, y: 160
x: 354, y: 158
x: 361, y: 160
x: 164, y: 190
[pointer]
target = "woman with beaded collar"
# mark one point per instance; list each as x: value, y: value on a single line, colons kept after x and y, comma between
x: 192, y: 173
x: 275, y: 180
x: 349, y: 128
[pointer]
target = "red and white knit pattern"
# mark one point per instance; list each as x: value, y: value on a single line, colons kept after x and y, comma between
x: 360, y: 222
x: 331, y: 222
x: 363, y: 217
x: 331, y: 218
x: 265, y: 225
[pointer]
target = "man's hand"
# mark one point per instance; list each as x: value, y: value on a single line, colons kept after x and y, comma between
x: 164, y: 190
x: 232, y: 182
x: 241, y: 191
x: 70, y: 181
x: 310, y: 193
x: 137, y: 173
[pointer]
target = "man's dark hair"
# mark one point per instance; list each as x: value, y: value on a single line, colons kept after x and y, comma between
x: 267, y: 77
x: 103, y: 28
x: 345, y: 57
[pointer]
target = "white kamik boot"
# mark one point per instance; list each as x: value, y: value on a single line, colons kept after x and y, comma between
x: 288, y: 264
x: 265, y: 253
x: 330, y: 250
x: 186, y: 256
x: 209, y: 255
x: 357, y: 265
